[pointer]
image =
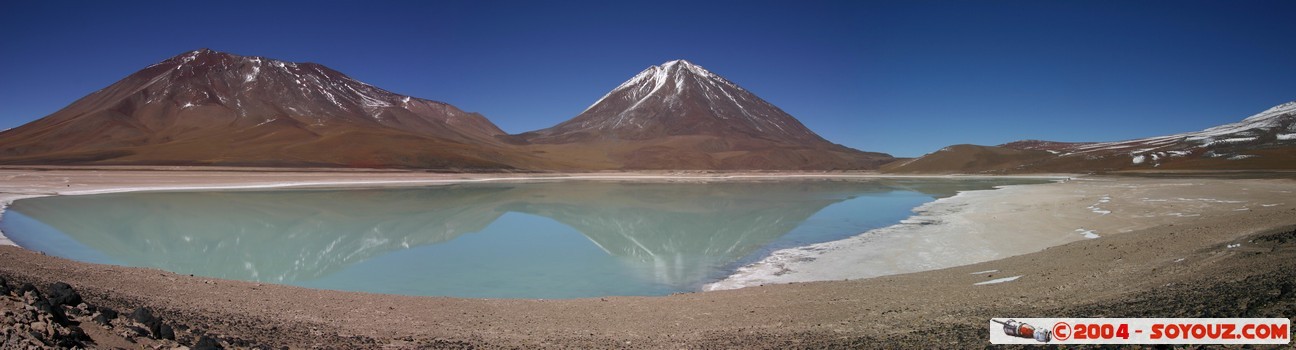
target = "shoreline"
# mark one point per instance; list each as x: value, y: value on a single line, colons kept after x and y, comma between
x: 9, y: 195
x: 495, y: 178
x: 865, y: 255
x: 925, y: 235
x: 788, y: 261
x: 5, y: 200
x: 978, y: 226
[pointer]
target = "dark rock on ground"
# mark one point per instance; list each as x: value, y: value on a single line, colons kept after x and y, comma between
x: 165, y: 332
x: 55, y: 312
x: 74, y: 337
x: 28, y: 287
x: 207, y: 343
x: 145, y: 317
x: 55, y: 319
x: 137, y: 331
x: 108, y: 312
x: 1279, y: 238
x: 102, y: 319
x: 31, y: 322
x: 103, y: 315
x: 62, y: 294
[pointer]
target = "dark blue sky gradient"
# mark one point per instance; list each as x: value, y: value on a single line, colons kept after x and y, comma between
x: 903, y: 77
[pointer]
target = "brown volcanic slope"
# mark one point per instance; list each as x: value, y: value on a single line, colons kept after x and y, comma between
x: 211, y: 108
x: 681, y: 116
x: 1264, y: 141
x: 960, y: 159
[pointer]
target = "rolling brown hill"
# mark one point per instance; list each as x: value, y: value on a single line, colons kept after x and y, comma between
x: 212, y: 108
x: 1264, y: 141
x: 962, y: 159
x: 681, y: 116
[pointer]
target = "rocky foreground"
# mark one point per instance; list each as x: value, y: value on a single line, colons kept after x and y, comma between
x: 59, y: 318
x: 1256, y: 280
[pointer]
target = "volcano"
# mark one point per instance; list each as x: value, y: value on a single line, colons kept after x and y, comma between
x: 205, y: 107
x: 679, y: 115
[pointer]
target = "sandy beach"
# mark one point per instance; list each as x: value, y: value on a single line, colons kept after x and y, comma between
x: 1088, y: 247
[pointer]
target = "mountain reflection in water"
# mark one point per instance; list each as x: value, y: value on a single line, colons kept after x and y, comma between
x: 672, y: 236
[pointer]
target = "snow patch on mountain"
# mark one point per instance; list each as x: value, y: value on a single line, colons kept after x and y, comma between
x: 1279, y: 121
x: 682, y: 92
x: 256, y: 70
x: 660, y: 76
x: 312, y: 92
x: 1228, y: 141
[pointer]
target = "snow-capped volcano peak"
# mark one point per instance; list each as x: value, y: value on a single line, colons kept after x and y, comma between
x: 682, y: 116
x: 317, y: 95
x: 679, y: 61
x: 210, y: 107
x: 680, y: 98
x: 659, y: 75
x: 210, y: 91
x: 263, y: 89
x: 684, y: 65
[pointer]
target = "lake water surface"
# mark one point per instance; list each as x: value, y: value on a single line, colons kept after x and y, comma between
x: 559, y: 239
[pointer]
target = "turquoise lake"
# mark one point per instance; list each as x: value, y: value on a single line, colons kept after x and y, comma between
x: 562, y: 239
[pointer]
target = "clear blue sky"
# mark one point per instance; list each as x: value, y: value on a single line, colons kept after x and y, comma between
x: 903, y: 77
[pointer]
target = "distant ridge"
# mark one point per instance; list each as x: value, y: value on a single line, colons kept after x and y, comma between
x: 1264, y: 141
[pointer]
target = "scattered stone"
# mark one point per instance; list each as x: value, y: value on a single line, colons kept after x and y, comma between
x: 165, y: 332
x: 37, y: 335
x: 62, y: 294
x: 144, y: 316
x: 135, y: 331
x: 28, y: 287
x: 43, y: 305
x: 102, y: 319
x: 80, y: 310
x: 207, y: 343
x: 108, y: 312
x: 77, y: 332
x: 32, y: 322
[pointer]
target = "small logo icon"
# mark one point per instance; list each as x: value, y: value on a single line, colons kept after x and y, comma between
x: 1024, y: 330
